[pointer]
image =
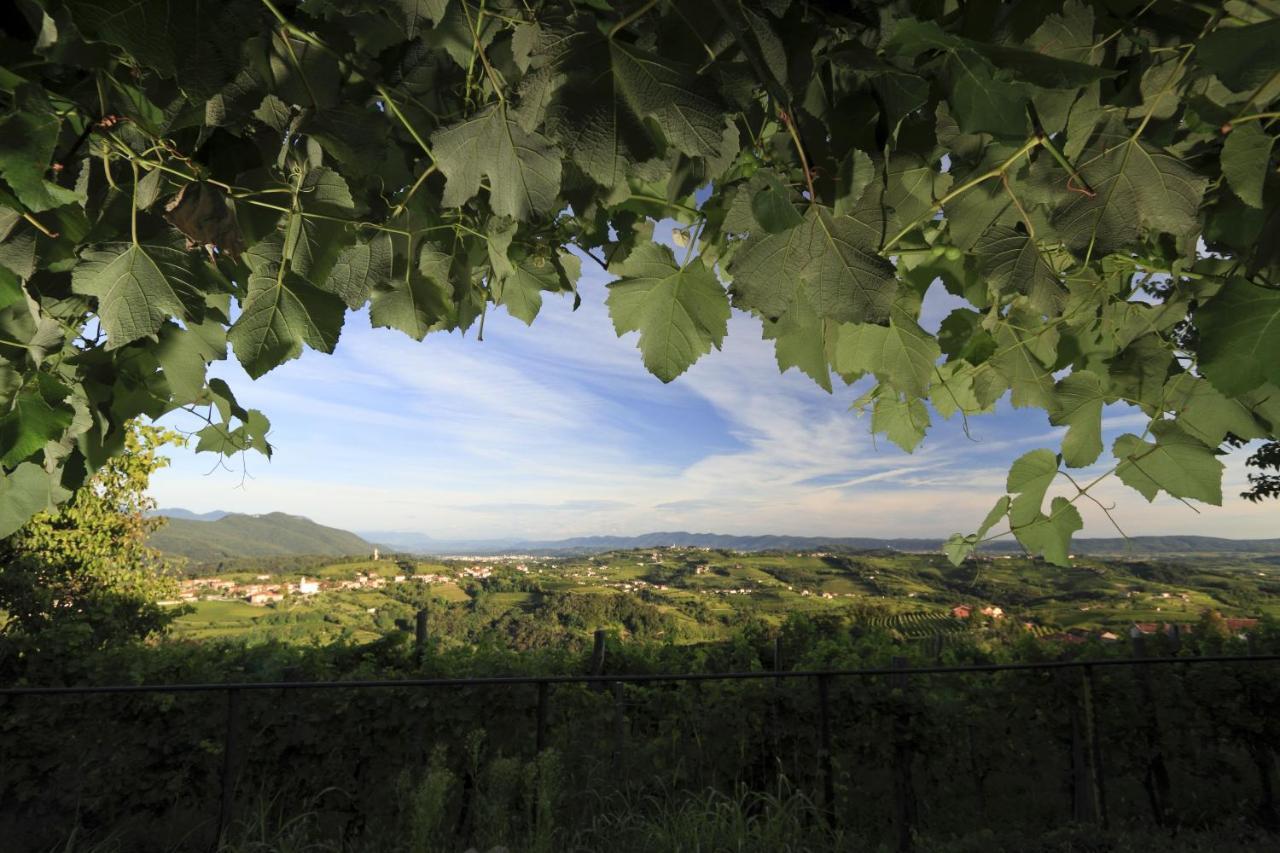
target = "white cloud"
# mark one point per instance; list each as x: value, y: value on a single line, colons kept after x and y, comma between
x: 559, y: 431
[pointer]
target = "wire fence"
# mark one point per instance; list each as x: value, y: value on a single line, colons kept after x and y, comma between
x: 1089, y: 782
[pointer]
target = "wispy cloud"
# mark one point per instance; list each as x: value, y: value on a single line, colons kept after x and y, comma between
x: 559, y: 431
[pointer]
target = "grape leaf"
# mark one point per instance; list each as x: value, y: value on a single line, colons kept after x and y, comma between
x: 196, y: 41
x: 1208, y: 415
x: 25, y: 491
x: 848, y: 281
x: 420, y: 302
x: 1012, y: 262
x: 1133, y: 186
x: 1176, y: 463
x: 1016, y: 364
x: 1245, y: 156
x: 1077, y: 405
x: 279, y: 315
x: 137, y: 287
x: 1240, y: 337
x: 358, y: 269
x: 800, y: 339
x: 901, y: 354
x: 1029, y: 478
x: 29, y: 425
x: 523, y: 167
x: 27, y: 140
x: 904, y: 421
x: 1242, y: 57
x: 680, y: 312
x: 960, y: 546
x: 1050, y: 534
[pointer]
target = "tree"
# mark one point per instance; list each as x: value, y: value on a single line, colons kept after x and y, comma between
x: 1095, y: 181
x: 1261, y: 484
x: 84, y: 574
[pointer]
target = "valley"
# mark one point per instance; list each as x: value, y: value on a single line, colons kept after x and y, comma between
x: 685, y: 595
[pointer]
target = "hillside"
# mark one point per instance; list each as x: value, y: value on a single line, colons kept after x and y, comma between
x: 1168, y: 546
x: 235, y: 535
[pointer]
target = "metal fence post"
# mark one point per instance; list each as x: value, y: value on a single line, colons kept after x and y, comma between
x: 619, y: 726
x: 824, y: 747
x: 903, y: 788
x: 1089, y: 691
x: 544, y: 699
x: 230, y: 749
x: 597, y: 660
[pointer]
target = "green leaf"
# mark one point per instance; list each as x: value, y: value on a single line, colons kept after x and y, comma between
x: 523, y: 168
x: 1012, y: 262
x: 901, y: 354
x: 961, y: 336
x: 846, y: 280
x: 420, y: 302
x: 680, y: 312
x: 27, y: 140
x: 1242, y: 57
x: 25, y: 491
x: 29, y: 425
x: 1050, y: 534
x: 849, y: 281
x: 983, y: 100
x: 1240, y: 337
x: 138, y: 287
x: 953, y: 391
x: 772, y: 208
x: 1077, y: 405
x: 902, y: 421
x: 279, y: 315
x: 1206, y: 414
x: 1017, y: 364
x: 800, y: 339
x: 521, y: 290
x: 196, y: 41
x: 1134, y: 187
x: 359, y: 269
x: 1178, y: 464
x: 666, y: 91
x: 1245, y: 157
x: 1029, y: 478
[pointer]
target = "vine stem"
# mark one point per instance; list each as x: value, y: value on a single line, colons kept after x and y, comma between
x: 996, y: 172
x: 1052, y: 147
x: 395, y: 111
x: 133, y: 200
x: 632, y: 18
x: 1254, y: 97
x: 399, y: 208
x: 1253, y: 117
x: 804, y: 160
x: 39, y: 226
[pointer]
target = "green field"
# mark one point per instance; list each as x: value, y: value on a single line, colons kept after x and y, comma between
x: 691, y: 595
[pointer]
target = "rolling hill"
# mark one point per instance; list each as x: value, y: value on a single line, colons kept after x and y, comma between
x: 219, y: 535
x: 1136, y: 546
x: 235, y: 535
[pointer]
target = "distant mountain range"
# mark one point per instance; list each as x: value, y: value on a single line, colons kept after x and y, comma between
x: 220, y: 535
x: 214, y: 536
x: 1137, y: 545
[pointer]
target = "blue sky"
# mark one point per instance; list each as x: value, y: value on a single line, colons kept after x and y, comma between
x: 557, y: 430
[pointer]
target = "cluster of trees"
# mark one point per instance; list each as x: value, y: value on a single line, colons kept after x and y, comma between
x: 81, y: 576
